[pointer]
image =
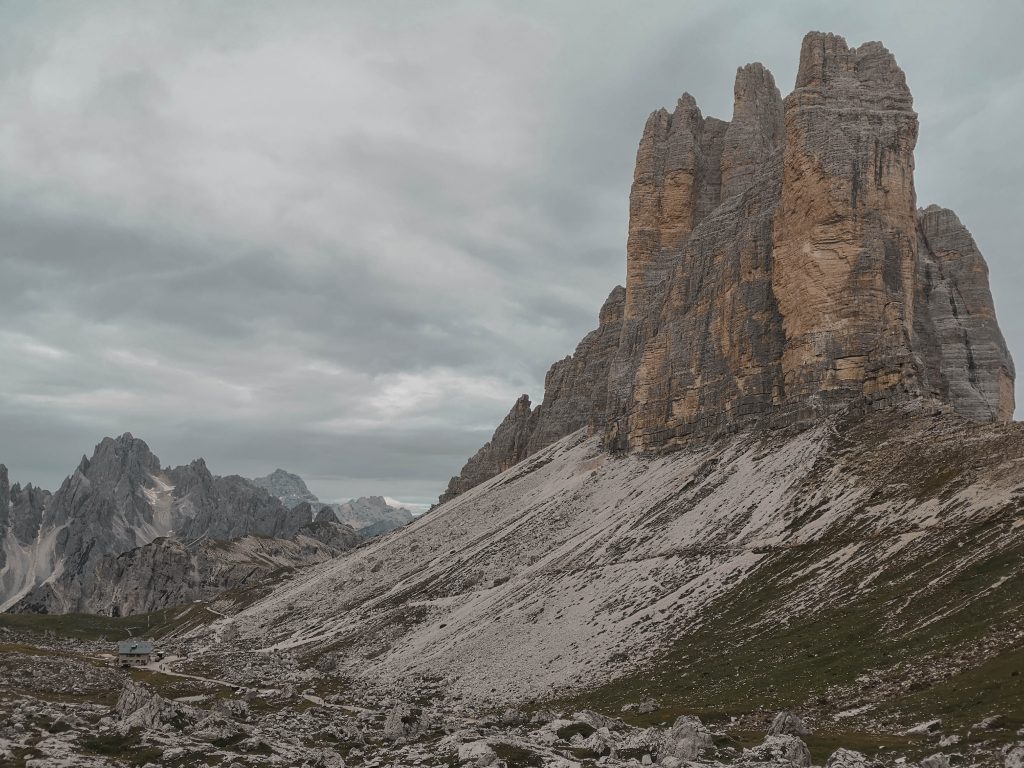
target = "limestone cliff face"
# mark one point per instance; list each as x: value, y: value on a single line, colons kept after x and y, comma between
x: 967, y: 362
x: 777, y: 270
x: 845, y: 238
x: 575, y: 396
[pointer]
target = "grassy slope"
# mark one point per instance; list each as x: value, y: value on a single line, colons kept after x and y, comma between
x: 924, y: 640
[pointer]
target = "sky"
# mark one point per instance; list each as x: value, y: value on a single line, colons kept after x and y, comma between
x: 342, y: 238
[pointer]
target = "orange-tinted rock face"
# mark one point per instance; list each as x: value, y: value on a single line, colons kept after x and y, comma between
x: 777, y: 270
x: 845, y: 234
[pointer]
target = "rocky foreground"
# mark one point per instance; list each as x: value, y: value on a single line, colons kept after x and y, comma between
x: 63, y: 703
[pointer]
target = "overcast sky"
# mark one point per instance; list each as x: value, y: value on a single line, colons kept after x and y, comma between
x: 341, y: 238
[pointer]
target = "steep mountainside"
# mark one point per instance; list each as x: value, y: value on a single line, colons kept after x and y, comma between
x: 777, y: 270
x: 781, y: 473
x: 887, y: 546
x: 119, y: 500
x: 167, y: 572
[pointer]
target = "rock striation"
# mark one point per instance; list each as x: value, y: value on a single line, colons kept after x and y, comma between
x: 778, y: 270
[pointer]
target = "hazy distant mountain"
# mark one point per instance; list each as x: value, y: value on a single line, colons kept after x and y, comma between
x: 369, y: 515
x: 289, y: 488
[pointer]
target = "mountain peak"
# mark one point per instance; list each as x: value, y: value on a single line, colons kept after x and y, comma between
x: 777, y: 271
x: 290, y: 488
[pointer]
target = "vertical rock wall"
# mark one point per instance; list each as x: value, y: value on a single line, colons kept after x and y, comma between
x: 845, y: 237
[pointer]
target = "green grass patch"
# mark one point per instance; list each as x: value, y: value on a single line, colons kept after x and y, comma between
x: 517, y: 757
x: 122, y: 747
x: 567, y: 732
x: 913, y: 624
x: 86, y: 626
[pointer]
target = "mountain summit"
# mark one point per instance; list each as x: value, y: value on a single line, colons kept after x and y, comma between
x: 778, y: 270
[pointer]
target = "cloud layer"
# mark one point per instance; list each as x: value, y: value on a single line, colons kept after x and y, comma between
x: 343, y: 238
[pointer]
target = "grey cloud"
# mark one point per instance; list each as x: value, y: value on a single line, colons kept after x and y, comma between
x: 342, y: 239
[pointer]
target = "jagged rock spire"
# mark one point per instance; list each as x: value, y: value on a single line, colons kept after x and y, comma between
x: 777, y: 270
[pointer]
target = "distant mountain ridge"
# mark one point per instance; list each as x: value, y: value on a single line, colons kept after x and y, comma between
x: 369, y: 515
x: 53, y: 546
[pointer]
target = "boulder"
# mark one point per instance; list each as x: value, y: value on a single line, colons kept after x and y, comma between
x: 477, y: 753
x: 139, y: 707
x: 1013, y: 757
x: 785, y: 749
x: 787, y: 723
x: 688, y: 739
x: 847, y: 758
x: 402, y: 723
x: 600, y: 742
x: 924, y: 729
x: 646, y: 706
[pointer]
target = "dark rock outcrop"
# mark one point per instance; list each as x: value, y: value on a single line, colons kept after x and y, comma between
x: 777, y: 270
x: 507, y: 447
x: 230, y: 507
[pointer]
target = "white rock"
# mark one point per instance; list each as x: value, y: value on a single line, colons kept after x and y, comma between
x: 1014, y: 757
x: 780, y: 749
x: 688, y: 738
x: 847, y: 758
x: 787, y: 722
x: 477, y: 753
x: 925, y: 728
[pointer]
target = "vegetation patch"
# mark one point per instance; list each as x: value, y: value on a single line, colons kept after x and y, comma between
x: 123, y: 747
x: 85, y: 626
x: 567, y: 732
x: 517, y: 757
